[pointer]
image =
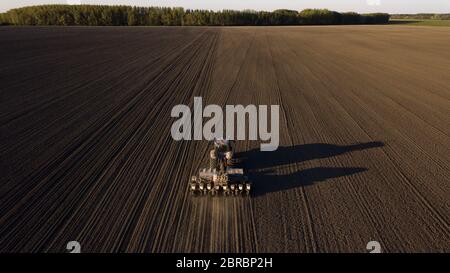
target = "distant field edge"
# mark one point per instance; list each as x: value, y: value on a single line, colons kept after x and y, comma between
x: 420, y: 22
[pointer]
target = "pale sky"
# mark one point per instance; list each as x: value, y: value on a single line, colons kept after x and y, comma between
x: 362, y: 6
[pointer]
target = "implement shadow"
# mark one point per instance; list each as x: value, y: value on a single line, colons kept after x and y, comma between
x: 261, y: 165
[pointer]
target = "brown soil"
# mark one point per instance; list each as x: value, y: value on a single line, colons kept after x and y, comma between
x: 86, y: 152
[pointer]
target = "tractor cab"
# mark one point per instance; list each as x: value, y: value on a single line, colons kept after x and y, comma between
x: 223, y: 145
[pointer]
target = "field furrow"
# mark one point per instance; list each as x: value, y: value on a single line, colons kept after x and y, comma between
x: 86, y: 151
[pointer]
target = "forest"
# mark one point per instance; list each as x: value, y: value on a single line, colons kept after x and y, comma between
x: 102, y: 15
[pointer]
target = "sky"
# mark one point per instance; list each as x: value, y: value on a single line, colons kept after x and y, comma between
x: 361, y: 6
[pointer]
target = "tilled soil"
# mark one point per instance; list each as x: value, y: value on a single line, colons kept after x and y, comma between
x: 86, y: 152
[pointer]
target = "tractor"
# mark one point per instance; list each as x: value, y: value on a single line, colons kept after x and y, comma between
x: 222, y: 175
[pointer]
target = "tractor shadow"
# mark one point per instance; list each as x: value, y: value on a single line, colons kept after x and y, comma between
x: 261, y: 166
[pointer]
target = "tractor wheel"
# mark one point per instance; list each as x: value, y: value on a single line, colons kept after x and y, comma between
x: 192, y: 188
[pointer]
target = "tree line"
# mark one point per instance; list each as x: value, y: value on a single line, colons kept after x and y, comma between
x: 101, y: 15
x: 422, y: 16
